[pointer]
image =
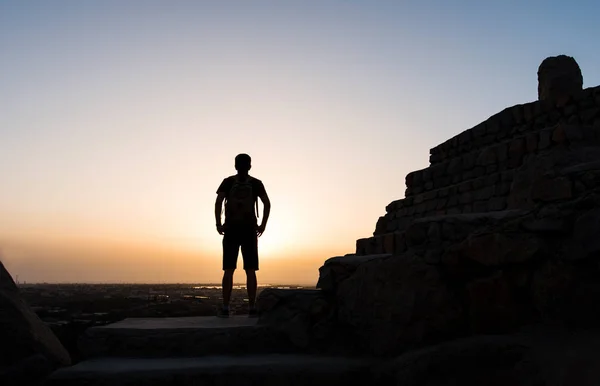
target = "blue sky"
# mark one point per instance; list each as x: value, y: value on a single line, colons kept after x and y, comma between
x: 120, y: 118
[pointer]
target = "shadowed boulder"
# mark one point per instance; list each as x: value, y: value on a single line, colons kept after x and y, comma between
x: 28, y: 347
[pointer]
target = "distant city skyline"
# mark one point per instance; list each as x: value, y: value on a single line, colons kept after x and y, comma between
x: 120, y: 119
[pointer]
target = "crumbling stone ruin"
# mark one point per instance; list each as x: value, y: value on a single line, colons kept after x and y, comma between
x: 500, y: 231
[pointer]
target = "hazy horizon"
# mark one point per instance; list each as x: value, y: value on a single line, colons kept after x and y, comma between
x: 120, y: 119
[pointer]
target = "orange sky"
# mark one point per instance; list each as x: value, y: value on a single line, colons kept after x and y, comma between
x: 119, y: 122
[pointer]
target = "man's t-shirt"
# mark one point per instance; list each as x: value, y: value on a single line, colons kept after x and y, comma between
x: 258, y: 189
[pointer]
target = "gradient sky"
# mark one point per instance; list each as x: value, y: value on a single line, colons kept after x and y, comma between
x: 119, y: 119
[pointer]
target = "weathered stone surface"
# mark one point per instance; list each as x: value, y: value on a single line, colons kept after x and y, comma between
x: 23, y: 336
x: 567, y: 292
x: 586, y: 236
x: 481, y: 360
x: 305, y: 316
x: 397, y: 302
x: 183, y: 337
x: 495, y: 304
x: 29, y: 351
x: 559, y: 78
x: 496, y: 249
x: 337, y: 269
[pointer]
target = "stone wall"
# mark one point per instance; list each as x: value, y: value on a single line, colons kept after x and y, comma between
x: 474, y: 172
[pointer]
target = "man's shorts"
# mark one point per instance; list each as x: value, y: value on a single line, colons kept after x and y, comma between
x: 244, y: 238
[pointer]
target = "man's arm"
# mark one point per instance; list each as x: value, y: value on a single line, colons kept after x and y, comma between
x: 266, y: 211
x: 218, y: 210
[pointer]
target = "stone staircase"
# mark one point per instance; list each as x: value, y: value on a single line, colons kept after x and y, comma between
x: 475, y: 171
x: 202, y: 351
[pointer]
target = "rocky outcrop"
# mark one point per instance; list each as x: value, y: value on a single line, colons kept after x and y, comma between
x: 533, y: 357
x: 499, y: 232
x: 305, y: 316
x: 29, y: 350
x: 559, y: 78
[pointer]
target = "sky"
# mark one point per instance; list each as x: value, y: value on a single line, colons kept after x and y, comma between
x: 119, y: 119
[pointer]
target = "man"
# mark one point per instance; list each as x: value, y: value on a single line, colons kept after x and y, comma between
x: 241, y: 229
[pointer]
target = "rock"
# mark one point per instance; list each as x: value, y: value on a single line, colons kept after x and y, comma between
x: 551, y: 189
x: 567, y: 292
x: 306, y: 316
x: 494, y: 304
x: 497, y: 249
x: 481, y: 360
x: 24, y: 336
x: 559, y: 78
x: 586, y: 240
x: 337, y: 269
x: 396, y: 303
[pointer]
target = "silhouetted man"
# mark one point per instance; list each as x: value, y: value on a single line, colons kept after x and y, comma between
x: 241, y: 229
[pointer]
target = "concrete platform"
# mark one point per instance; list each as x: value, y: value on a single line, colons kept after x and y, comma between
x: 264, y: 370
x: 181, y: 337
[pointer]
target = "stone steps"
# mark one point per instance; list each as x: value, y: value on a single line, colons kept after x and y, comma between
x: 435, y: 230
x: 271, y: 369
x: 476, y: 182
x: 183, y: 337
x: 516, y: 119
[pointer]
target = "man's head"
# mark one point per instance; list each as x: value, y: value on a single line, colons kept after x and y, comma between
x: 243, y: 163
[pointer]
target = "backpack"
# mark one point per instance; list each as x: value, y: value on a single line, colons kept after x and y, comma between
x: 240, y: 203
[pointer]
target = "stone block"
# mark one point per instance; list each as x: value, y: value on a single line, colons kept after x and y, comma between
x: 486, y: 157
x: 454, y: 167
x: 429, y: 195
x: 517, y: 113
x: 478, y: 171
x: 465, y: 198
x: 468, y: 175
x: 399, y: 243
x: 531, y: 142
x: 478, y: 183
x: 362, y: 246
x: 416, y: 234
x: 574, y: 120
x: 558, y: 135
x: 452, y: 201
x: 497, y: 204
x: 490, y: 169
x: 573, y: 133
x: 516, y: 151
x: 551, y: 189
x: 419, y: 198
x: 466, y: 186
x: 426, y: 174
x: 381, y: 225
x: 545, y: 139
x: 484, y: 193
x: 502, y: 188
x: 388, y: 243
x: 441, y: 203
x: 480, y: 206
x: 501, y: 152
x: 587, y: 116
x: 493, y: 305
x: 492, y: 179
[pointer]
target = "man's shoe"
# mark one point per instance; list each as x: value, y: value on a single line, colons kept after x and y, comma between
x: 252, y: 313
x: 223, y: 313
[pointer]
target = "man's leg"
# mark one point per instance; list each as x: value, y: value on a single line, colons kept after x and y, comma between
x: 227, y: 284
x: 251, y: 286
x: 231, y: 247
x: 250, y: 255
